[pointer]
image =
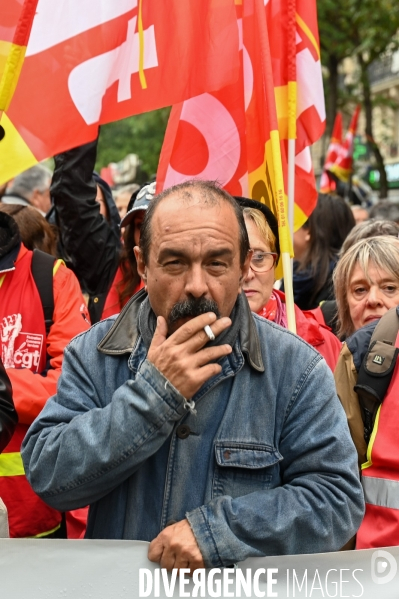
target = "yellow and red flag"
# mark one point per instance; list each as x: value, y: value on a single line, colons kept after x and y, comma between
x: 327, y: 184
x: 16, y: 20
x: 343, y: 164
x: 224, y: 136
x: 90, y: 62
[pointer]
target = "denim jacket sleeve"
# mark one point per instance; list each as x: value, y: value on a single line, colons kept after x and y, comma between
x: 82, y: 446
x: 319, y: 504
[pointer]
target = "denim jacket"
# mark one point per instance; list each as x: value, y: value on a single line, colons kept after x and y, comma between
x: 282, y: 478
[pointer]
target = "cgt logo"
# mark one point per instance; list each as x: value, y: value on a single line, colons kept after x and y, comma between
x: 383, y: 567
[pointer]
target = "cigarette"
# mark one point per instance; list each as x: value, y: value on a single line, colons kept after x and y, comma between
x: 209, y: 332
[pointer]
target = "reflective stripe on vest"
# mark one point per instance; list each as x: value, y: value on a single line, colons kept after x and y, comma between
x: 45, y: 534
x: 381, y: 491
x: 11, y: 464
x: 369, y: 462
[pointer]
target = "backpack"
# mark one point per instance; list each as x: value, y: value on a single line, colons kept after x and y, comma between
x: 377, y: 368
x: 42, y: 271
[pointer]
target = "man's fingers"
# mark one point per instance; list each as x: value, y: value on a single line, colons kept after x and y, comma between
x: 168, y: 559
x: 177, y: 359
x: 176, y: 547
x: 207, y: 372
x: 192, y: 333
x: 193, y: 326
x: 211, y: 354
x: 155, y: 550
x: 201, y: 338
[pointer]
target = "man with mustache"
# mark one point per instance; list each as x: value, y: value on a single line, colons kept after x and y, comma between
x: 191, y: 423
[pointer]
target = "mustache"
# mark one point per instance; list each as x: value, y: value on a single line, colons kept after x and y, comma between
x: 192, y: 307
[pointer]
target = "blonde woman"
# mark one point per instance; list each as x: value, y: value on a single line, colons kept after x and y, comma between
x: 366, y: 285
x: 366, y: 282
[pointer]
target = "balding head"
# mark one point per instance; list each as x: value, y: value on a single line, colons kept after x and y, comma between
x: 205, y: 193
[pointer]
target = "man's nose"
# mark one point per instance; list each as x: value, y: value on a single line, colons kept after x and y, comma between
x: 196, y: 281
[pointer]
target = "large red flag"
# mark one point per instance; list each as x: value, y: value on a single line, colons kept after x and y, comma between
x: 93, y: 61
x: 222, y: 135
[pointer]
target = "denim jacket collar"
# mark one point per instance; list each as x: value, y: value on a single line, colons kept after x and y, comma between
x: 122, y: 336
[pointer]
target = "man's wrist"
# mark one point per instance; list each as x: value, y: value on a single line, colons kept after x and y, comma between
x: 163, y: 387
x: 201, y: 530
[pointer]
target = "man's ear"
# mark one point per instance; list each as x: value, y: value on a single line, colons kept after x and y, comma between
x: 141, y: 267
x: 245, y: 269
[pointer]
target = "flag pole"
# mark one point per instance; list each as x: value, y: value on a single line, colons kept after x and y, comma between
x: 292, y: 106
x: 279, y: 195
x: 292, y: 103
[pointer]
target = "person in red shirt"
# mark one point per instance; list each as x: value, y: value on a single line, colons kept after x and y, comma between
x: 33, y: 361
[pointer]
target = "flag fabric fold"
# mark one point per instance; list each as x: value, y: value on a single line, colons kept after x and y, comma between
x: 86, y: 65
x: 227, y: 135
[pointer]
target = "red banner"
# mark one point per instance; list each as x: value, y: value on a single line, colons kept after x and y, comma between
x: 222, y: 136
x: 90, y: 62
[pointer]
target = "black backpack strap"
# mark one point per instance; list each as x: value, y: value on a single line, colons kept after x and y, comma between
x: 377, y: 368
x: 42, y: 271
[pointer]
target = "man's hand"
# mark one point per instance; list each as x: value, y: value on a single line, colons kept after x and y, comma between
x: 176, y: 547
x: 182, y: 358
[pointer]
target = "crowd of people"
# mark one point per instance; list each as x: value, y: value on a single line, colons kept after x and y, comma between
x: 150, y: 388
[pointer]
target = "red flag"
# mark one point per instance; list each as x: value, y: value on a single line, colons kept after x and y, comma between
x: 93, y: 61
x: 343, y: 164
x: 327, y: 184
x: 223, y: 135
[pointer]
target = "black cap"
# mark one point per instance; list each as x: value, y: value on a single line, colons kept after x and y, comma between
x: 268, y: 214
x: 140, y: 200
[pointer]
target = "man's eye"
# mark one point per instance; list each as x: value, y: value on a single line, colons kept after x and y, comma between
x: 173, y: 264
x: 390, y: 288
x: 217, y: 267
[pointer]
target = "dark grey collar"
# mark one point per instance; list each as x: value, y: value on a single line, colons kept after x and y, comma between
x: 122, y: 336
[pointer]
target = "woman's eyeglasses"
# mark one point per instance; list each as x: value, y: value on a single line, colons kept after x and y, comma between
x: 263, y: 261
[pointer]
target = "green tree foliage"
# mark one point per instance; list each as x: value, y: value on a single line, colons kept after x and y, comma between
x: 141, y: 134
x: 363, y: 30
x: 335, y: 46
